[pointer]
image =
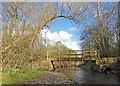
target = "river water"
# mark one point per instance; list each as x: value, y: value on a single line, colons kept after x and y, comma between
x: 86, y: 76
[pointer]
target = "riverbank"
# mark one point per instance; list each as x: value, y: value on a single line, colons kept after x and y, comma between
x: 49, y: 78
x: 56, y: 77
x: 13, y: 76
x: 34, y: 77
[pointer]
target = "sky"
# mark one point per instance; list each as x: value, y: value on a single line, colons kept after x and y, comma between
x: 65, y: 31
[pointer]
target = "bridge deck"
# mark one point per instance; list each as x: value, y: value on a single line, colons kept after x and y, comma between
x: 97, y: 60
x: 67, y: 59
x: 70, y: 59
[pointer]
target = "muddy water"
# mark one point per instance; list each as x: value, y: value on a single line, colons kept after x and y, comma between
x: 86, y: 76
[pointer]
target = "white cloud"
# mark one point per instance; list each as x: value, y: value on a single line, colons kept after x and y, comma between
x: 53, y: 36
x: 56, y: 36
x: 73, y: 29
x: 72, y: 45
x: 63, y: 36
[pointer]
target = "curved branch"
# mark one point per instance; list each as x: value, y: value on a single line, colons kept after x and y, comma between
x: 39, y: 27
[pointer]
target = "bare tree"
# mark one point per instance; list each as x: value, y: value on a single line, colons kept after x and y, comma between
x: 22, y: 13
x: 98, y: 33
x: 23, y: 21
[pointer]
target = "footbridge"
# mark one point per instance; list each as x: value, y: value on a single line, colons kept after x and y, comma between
x: 68, y: 58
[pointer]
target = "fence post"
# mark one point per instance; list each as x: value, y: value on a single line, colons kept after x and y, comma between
x: 59, y: 55
x: 47, y: 54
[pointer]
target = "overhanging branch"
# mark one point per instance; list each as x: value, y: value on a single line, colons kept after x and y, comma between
x: 39, y: 27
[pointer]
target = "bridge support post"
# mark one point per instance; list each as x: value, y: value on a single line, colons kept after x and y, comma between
x: 50, y: 64
x: 59, y: 55
x: 47, y: 54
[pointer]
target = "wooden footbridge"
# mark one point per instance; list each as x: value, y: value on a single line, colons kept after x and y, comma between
x: 73, y: 55
x: 75, y: 58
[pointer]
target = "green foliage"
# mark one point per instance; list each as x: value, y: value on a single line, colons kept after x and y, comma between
x: 58, y: 50
x: 58, y: 42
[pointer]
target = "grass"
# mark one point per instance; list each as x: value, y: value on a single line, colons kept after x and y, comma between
x: 15, y: 76
x: 0, y: 77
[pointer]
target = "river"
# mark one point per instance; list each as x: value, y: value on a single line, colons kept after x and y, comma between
x: 86, y: 76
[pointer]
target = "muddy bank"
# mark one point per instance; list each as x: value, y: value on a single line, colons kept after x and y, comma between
x: 50, y: 78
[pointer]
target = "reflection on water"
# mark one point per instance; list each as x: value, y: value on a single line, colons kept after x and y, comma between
x: 82, y: 76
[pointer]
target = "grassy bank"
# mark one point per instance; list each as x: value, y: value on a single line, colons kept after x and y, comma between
x: 14, y: 76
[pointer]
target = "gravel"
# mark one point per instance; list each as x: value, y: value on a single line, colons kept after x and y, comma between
x: 50, y: 78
